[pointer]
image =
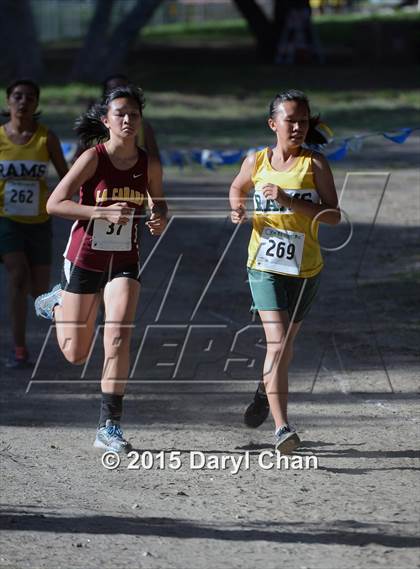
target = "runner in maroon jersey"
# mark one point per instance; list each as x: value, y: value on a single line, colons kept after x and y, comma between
x: 102, y: 254
x: 107, y: 186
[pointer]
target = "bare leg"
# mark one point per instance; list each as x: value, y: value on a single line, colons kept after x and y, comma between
x: 75, y: 324
x: 279, y: 354
x: 120, y: 298
x: 40, y: 279
x: 19, y: 280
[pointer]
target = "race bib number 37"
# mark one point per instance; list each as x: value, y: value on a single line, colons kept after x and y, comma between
x: 280, y: 251
x: 21, y: 197
x: 112, y: 237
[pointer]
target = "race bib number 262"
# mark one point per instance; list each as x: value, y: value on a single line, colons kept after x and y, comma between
x: 21, y: 197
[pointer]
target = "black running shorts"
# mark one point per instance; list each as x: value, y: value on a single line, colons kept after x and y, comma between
x: 82, y: 281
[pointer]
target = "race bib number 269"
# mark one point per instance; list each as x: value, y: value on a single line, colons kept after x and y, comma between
x: 280, y: 251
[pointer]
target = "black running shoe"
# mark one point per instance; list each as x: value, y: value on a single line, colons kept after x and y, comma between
x: 257, y: 412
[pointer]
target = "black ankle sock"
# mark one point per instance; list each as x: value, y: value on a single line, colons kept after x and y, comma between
x: 111, y: 408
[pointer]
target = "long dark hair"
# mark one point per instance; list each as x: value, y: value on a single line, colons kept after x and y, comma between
x: 90, y: 128
x: 313, y: 136
x: 10, y: 88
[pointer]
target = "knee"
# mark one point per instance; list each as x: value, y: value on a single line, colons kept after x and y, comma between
x: 74, y: 353
x: 75, y: 358
x: 117, y: 339
x: 276, y: 349
x: 280, y: 352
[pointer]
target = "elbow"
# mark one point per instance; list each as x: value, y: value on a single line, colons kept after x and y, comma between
x: 50, y: 207
x: 336, y: 217
x: 330, y: 216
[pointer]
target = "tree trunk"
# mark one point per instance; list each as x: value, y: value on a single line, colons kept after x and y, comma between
x: 104, y: 54
x: 19, y: 41
x: 125, y: 34
x: 260, y: 26
x: 92, y: 48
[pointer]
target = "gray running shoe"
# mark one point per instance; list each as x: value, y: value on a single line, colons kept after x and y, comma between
x: 287, y: 439
x: 44, y: 304
x: 111, y: 438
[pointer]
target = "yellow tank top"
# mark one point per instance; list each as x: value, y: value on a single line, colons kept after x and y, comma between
x: 283, y: 241
x: 23, y: 188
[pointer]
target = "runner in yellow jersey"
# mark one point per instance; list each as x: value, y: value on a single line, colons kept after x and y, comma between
x: 293, y: 192
x: 26, y: 147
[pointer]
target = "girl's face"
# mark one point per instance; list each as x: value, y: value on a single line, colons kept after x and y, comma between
x: 123, y: 117
x: 291, y: 123
x: 22, y: 101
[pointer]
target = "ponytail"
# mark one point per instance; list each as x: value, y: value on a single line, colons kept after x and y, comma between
x: 315, y: 136
x: 90, y: 128
x: 319, y: 133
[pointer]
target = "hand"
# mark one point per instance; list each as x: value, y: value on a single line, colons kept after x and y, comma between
x: 272, y: 192
x: 157, y: 224
x: 238, y: 215
x: 118, y: 213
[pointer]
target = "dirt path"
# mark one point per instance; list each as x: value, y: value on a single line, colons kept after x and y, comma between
x: 354, y: 386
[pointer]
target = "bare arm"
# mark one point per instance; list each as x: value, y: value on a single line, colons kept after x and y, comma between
x: 56, y: 154
x: 61, y: 204
x: 239, y: 189
x: 154, y: 166
x: 324, y: 183
x: 155, y: 183
x: 150, y: 142
x: 158, y: 219
x: 326, y: 212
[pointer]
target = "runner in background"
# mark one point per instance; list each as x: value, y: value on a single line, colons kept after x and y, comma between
x: 112, y: 180
x: 26, y: 147
x: 294, y: 192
